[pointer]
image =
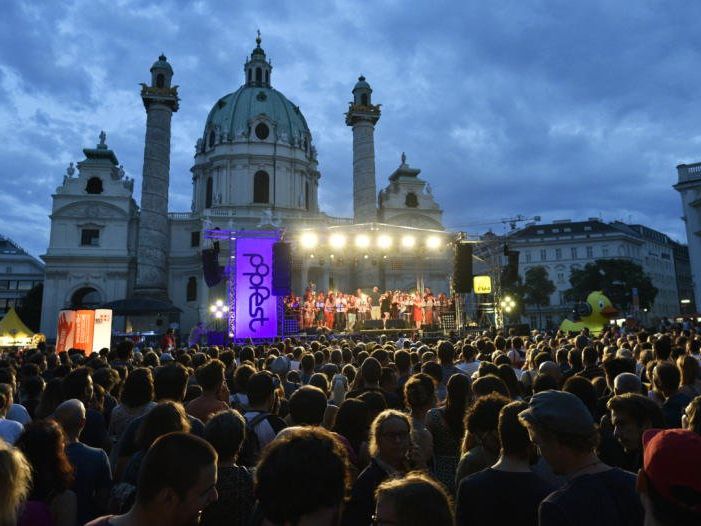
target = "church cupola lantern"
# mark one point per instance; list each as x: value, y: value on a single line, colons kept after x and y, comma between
x: 257, y: 68
x: 161, y: 73
x: 362, y: 93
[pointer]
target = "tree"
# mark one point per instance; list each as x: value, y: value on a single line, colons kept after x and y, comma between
x: 30, y: 309
x: 537, y: 289
x: 616, y: 278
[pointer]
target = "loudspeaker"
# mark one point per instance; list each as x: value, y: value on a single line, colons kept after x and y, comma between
x: 282, y: 269
x: 210, y: 267
x: 462, y: 268
x: 397, y: 324
x: 511, y: 270
x: 430, y: 328
x: 371, y: 325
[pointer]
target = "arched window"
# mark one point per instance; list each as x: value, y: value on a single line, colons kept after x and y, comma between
x: 261, y: 187
x: 306, y: 195
x: 208, y: 193
x: 94, y: 185
x: 262, y: 131
x: 211, y: 138
x: 191, y: 290
x: 160, y: 80
x: 267, y: 77
x: 411, y: 200
x: 86, y: 297
x: 250, y: 75
x: 259, y: 76
x: 364, y: 99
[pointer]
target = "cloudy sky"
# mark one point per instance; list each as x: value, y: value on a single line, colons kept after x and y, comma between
x: 554, y: 108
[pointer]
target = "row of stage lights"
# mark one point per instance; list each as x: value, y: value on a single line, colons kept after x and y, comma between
x: 310, y: 240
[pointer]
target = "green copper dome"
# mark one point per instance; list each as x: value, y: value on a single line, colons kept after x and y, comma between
x: 233, y: 113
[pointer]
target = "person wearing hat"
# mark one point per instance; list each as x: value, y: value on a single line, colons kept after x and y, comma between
x: 669, y: 482
x: 562, y: 428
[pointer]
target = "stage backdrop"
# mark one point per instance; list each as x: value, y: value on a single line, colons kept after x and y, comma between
x: 256, y: 307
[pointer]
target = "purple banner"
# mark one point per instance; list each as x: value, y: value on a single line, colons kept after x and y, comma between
x: 256, y: 307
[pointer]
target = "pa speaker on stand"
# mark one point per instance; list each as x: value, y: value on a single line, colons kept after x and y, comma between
x: 462, y: 268
x: 282, y: 268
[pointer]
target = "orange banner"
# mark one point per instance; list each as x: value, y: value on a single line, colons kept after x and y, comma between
x: 84, y: 328
x: 66, y: 330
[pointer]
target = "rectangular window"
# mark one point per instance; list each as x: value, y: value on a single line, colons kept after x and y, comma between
x: 4, y: 284
x: 560, y: 277
x: 90, y: 237
x: 590, y: 252
x: 543, y: 255
x: 528, y: 257
x: 195, y: 239
x: 558, y: 253
x: 605, y: 251
x: 573, y: 251
x: 24, y: 285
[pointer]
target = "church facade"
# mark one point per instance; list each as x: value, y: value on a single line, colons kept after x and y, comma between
x: 255, y: 166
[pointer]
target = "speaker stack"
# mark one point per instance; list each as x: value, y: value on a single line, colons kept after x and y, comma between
x: 462, y: 268
x: 282, y: 268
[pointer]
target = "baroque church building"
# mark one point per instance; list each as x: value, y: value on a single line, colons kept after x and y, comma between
x: 255, y: 167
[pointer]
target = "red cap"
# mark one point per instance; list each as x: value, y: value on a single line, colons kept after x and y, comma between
x: 672, y: 459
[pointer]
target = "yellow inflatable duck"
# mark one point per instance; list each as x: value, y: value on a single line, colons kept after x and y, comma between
x: 601, y: 310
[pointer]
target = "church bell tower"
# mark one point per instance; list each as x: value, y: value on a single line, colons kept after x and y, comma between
x: 160, y: 101
x: 362, y: 116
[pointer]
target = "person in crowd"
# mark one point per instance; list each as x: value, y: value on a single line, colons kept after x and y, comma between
x: 447, y: 427
x: 215, y: 395
x: 446, y: 358
x: 627, y: 383
x: 10, y: 430
x: 469, y: 363
x: 590, y: 359
x: 15, y: 411
x: 50, y: 501
x: 352, y: 425
x: 668, y: 483
x: 666, y: 379
x: 632, y: 414
x: 413, y: 500
x: 93, y: 476
x: 78, y: 384
x: 171, y: 493
x: 225, y: 431
x: 307, y: 407
x: 30, y: 394
x: 262, y: 422
x: 15, y: 481
x: 135, y: 401
x: 420, y: 397
x: 302, y: 479
x: 480, y: 448
x: 508, y: 492
x: 563, y: 429
x: 50, y: 398
x: 391, y: 452
x: 690, y: 371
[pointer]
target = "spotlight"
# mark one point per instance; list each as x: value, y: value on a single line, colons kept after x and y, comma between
x: 507, y: 304
x: 365, y: 256
x: 218, y: 309
x: 384, y: 241
x: 408, y: 241
x: 311, y: 256
x: 309, y: 240
x: 362, y: 241
x: 433, y: 242
x: 337, y: 240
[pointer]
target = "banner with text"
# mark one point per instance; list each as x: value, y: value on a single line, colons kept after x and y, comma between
x: 102, y: 331
x: 256, y: 307
x: 84, y: 326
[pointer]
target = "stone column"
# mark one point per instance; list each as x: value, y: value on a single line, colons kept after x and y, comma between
x: 364, y: 188
x: 154, y: 234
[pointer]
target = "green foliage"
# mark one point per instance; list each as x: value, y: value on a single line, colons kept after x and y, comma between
x: 30, y: 309
x: 537, y: 287
x: 616, y: 278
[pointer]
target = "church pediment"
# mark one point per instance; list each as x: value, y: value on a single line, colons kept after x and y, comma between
x: 91, y: 210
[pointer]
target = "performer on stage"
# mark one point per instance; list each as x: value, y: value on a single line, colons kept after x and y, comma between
x: 319, y: 309
x: 428, y: 309
x: 418, y: 310
x: 329, y: 311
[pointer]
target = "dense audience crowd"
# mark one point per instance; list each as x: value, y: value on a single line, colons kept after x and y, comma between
x: 548, y: 429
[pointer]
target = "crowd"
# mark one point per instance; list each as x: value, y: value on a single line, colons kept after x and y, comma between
x: 548, y: 429
x: 346, y: 312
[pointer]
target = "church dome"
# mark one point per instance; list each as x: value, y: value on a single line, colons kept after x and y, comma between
x: 233, y: 113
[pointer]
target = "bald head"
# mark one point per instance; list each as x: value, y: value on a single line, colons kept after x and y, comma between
x: 627, y: 383
x: 71, y: 415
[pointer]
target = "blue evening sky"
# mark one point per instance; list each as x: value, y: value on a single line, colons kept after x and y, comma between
x: 557, y: 108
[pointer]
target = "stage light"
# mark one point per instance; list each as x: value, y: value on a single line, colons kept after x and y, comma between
x: 365, y: 256
x: 219, y: 309
x: 433, y: 242
x: 311, y: 256
x: 309, y: 240
x: 337, y: 240
x: 362, y: 241
x: 331, y: 256
x: 384, y: 241
x: 408, y: 241
x: 507, y: 304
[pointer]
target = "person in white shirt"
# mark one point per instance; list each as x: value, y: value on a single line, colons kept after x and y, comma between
x: 469, y: 365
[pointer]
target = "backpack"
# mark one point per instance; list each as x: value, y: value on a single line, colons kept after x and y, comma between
x: 250, y: 450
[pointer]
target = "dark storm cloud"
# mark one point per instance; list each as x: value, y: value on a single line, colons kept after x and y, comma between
x: 552, y: 108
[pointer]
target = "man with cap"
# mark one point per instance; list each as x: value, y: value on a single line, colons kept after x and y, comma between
x: 562, y: 428
x: 670, y: 481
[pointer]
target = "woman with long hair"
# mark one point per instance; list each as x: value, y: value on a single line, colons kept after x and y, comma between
x: 136, y: 400
x: 447, y: 426
x: 50, y: 501
x: 15, y: 481
x: 353, y: 426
